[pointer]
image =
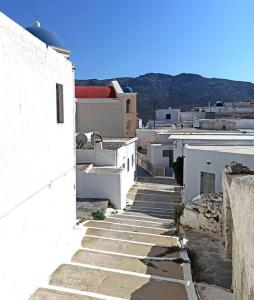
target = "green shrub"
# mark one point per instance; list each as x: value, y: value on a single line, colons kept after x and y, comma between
x: 178, y: 170
x: 98, y: 215
x: 178, y: 211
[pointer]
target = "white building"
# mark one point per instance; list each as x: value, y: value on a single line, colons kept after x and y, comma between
x: 109, y: 171
x: 180, y: 140
x: 37, y: 177
x: 109, y: 110
x: 168, y: 115
x: 203, y: 166
x: 160, y: 155
x: 215, y: 124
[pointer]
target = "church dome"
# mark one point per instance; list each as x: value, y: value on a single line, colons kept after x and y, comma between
x: 45, y: 35
x: 128, y: 89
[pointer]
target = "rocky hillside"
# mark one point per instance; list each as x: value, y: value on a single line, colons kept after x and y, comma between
x: 183, y: 90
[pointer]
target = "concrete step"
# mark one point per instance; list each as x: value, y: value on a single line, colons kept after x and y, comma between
x: 51, y: 294
x: 141, y: 218
x: 133, y: 228
x: 154, y: 205
x: 145, y: 266
x: 117, y: 284
x: 134, y: 237
x: 163, y: 213
x: 132, y: 221
x: 154, y: 196
x: 146, y: 216
x: 125, y: 247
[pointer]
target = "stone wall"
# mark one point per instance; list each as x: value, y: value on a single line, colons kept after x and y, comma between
x: 238, y: 231
x: 204, y: 213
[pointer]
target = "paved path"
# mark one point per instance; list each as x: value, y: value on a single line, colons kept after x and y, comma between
x: 128, y: 255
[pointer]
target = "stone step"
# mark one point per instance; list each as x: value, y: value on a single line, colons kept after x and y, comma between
x: 137, y: 217
x: 133, y: 228
x: 162, y: 268
x: 146, y: 216
x: 152, y: 212
x: 144, y: 222
x: 51, y: 294
x: 116, y: 284
x: 134, y: 237
x: 154, y: 205
x: 125, y: 247
x: 154, y: 196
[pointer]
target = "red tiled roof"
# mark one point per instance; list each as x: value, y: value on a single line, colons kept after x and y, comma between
x: 94, y: 92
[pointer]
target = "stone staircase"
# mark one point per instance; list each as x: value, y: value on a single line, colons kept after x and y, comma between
x: 133, y: 255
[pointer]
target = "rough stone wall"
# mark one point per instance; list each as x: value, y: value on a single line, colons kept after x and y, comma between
x: 204, y: 213
x: 240, y: 196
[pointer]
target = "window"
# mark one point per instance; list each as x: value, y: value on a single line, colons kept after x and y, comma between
x: 168, y: 116
x: 165, y: 153
x: 132, y: 160
x: 59, y: 103
x: 128, y: 106
x: 128, y: 124
x: 123, y: 166
x: 128, y: 164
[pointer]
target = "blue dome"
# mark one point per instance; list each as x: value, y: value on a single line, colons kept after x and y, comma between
x: 128, y: 89
x: 47, y: 36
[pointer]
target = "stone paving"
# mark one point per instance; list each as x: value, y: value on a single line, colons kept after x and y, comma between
x: 215, y: 268
x: 132, y: 255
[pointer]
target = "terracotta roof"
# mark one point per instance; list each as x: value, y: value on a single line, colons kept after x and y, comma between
x: 94, y: 92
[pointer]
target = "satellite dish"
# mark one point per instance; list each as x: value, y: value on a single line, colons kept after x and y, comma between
x: 81, y: 140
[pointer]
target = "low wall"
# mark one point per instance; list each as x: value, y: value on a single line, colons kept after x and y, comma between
x: 104, y: 185
x: 238, y: 232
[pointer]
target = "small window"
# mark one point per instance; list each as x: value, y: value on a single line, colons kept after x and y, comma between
x: 165, y: 153
x: 123, y: 166
x: 128, y: 106
x: 59, y: 103
x: 168, y: 116
x: 132, y: 160
x: 128, y: 164
x: 128, y: 124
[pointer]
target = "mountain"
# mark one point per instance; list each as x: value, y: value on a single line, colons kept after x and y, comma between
x: 183, y: 90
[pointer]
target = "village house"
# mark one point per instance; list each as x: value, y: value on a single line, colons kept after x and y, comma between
x: 109, y: 110
x: 106, y: 169
x: 218, y: 138
x: 37, y: 177
x: 203, y: 166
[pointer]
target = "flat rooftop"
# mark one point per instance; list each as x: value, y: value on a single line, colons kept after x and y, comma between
x: 228, y: 137
x: 249, y: 150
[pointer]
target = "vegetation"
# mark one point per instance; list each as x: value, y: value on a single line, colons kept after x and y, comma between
x: 178, y: 211
x: 178, y: 170
x: 98, y: 215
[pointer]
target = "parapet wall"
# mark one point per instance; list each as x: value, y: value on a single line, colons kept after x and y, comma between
x: 238, y: 231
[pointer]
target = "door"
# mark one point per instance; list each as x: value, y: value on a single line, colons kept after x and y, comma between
x: 207, y: 185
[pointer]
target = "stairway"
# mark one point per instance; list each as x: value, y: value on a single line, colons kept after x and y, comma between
x: 133, y: 255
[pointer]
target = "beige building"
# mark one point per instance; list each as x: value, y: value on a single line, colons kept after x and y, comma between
x: 108, y: 110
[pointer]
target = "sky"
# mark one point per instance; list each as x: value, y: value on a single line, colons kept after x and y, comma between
x: 115, y: 38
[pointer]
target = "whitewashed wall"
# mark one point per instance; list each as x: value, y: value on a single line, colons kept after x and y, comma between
x: 123, y: 154
x: 145, y: 136
x: 179, y: 144
x: 195, y: 161
x: 239, y: 191
x: 154, y: 154
x: 37, y: 177
x: 104, y: 185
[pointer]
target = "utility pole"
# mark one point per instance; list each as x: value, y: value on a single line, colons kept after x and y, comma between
x: 154, y: 103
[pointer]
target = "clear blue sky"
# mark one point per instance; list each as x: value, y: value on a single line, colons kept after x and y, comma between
x: 111, y: 38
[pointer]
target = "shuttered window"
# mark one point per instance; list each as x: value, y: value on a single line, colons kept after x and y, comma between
x: 59, y: 103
